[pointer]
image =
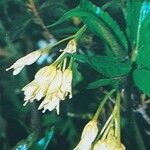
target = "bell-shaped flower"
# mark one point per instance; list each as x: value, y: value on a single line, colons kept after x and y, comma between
x: 49, y: 103
x: 26, y: 60
x: 66, y: 86
x: 38, y: 87
x: 88, y: 135
x: 71, y: 47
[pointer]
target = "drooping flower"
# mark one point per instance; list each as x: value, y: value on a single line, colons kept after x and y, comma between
x: 57, y: 90
x: 49, y: 103
x: 66, y: 87
x: 38, y: 87
x: 71, y: 47
x: 53, y: 83
x: 26, y: 60
x: 88, y: 136
x: 108, y: 144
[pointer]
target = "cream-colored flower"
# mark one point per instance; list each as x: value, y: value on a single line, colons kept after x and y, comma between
x: 49, y: 103
x: 101, y: 145
x: 56, y: 83
x: 71, y: 47
x: 108, y: 144
x: 26, y: 60
x: 38, y: 87
x: 88, y: 135
x: 66, y: 86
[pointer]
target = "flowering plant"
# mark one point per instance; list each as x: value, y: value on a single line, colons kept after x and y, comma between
x: 96, y: 73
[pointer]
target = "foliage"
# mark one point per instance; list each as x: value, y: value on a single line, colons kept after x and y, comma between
x: 109, y: 56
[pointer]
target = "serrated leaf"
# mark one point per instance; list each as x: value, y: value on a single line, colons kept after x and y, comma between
x: 99, y: 83
x: 106, y: 28
x: 142, y: 80
x: 83, y: 58
x: 143, y: 48
x: 101, y: 24
x: 109, y: 66
x: 133, y: 14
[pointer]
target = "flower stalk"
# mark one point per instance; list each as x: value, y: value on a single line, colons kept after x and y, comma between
x: 102, y: 104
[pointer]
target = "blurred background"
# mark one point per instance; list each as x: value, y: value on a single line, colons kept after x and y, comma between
x: 22, y: 30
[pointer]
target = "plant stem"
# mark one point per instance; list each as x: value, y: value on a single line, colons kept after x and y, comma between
x: 132, y: 126
x: 76, y: 36
x: 102, y: 104
x: 118, y: 119
x: 108, y: 122
x: 80, y: 32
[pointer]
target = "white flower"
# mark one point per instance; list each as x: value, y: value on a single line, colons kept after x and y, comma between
x: 26, y: 60
x: 49, y: 103
x: 88, y: 136
x: 66, y: 86
x: 101, y: 145
x: 71, y: 47
x: 108, y: 144
x: 56, y: 83
x: 38, y: 87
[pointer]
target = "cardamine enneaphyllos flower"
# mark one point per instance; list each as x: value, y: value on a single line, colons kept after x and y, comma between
x: 58, y: 89
x: 88, y: 136
x: 26, y: 60
x: 53, y: 83
x: 108, y: 144
x: 38, y: 87
x: 71, y: 47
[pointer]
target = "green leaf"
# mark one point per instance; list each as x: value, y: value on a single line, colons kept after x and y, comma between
x: 143, y: 47
x: 133, y: 14
x: 83, y: 58
x: 99, y: 83
x: 106, y: 28
x: 101, y: 24
x: 109, y: 66
x: 142, y: 80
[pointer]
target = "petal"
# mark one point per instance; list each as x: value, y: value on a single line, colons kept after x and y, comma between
x: 56, y: 83
x: 31, y: 58
x: 46, y: 74
x: 17, y: 70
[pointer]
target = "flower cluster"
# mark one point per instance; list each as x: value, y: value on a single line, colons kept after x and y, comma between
x: 88, y: 139
x: 53, y: 82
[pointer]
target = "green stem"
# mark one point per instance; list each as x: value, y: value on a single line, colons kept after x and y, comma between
x: 80, y: 32
x: 110, y: 124
x: 71, y: 62
x: 59, y: 59
x: 76, y: 36
x: 106, y: 125
x: 46, y: 49
x: 134, y: 52
x: 64, y: 64
x: 102, y: 104
x: 118, y: 130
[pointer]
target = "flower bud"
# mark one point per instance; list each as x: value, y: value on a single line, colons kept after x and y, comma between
x: 88, y: 135
x: 49, y: 103
x: 26, y: 60
x: 71, y: 47
x: 66, y: 87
